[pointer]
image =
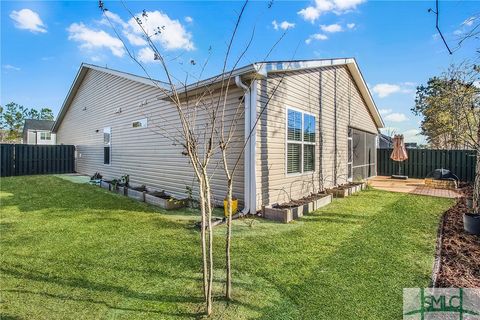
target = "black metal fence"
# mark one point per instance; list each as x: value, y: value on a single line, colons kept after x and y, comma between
x: 421, y: 162
x: 24, y: 159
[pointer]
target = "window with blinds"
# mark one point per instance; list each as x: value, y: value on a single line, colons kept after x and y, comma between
x: 300, y: 142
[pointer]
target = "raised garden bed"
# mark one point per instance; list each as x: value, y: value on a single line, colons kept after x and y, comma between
x: 121, y: 190
x: 441, y: 183
x: 137, y: 193
x: 357, y: 186
x: 140, y: 193
x: 164, y: 200
x: 346, y: 190
x: 295, y: 209
x: 105, y: 184
x: 339, y: 192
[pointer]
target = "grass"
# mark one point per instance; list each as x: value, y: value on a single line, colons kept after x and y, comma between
x: 74, y: 251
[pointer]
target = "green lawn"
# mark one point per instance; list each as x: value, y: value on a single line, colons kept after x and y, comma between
x: 75, y: 251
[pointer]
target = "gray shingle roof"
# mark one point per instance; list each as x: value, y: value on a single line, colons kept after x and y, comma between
x: 33, y: 124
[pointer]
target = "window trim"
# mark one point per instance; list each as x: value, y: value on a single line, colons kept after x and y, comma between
x: 45, y: 133
x: 109, y: 145
x: 301, y: 143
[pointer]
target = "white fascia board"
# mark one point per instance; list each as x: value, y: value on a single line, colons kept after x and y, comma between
x: 282, y: 66
x: 367, y: 96
x: 71, y: 92
x: 126, y: 75
x: 81, y: 74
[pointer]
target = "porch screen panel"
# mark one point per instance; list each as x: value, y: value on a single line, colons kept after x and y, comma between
x: 364, y: 154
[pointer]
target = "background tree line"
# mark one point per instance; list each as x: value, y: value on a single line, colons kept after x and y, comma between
x: 450, y: 107
x: 13, y: 116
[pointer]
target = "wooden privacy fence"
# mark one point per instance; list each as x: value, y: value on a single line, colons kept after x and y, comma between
x: 25, y: 159
x: 421, y: 162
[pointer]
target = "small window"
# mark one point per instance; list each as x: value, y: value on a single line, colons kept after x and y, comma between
x: 107, y: 145
x: 142, y: 123
x: 45, y: 136
x: 300, y: 142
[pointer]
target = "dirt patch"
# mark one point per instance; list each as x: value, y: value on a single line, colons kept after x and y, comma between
x: 460, y: 251
x: 300, y: 202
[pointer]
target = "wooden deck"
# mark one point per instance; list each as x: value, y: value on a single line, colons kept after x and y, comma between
x: 414, y: 186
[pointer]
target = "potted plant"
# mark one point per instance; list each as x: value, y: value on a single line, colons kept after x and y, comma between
x: 114, y: 185
x: 471, y: 218
x: 122, y: 185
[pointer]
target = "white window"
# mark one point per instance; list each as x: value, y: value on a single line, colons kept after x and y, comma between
x: 107, y: 145
x: 142, y: 123
x: 300, y: 142
x: 45, y: 136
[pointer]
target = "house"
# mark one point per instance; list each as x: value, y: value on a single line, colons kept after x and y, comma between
x: 411, y: 145
x: 38, y: 132
x: 384, y: 141
x: 317, y: 127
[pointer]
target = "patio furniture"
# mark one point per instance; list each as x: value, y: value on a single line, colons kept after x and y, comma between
x: 399, y: 154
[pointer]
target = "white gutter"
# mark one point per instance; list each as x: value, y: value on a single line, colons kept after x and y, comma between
x: 246, y: 155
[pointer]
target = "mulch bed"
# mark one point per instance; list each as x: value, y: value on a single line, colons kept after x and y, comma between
x: 301, y: 202
x: 460, y: 251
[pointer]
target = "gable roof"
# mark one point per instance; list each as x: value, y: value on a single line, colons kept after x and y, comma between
x: 34, y: 124
x: 262, y: 69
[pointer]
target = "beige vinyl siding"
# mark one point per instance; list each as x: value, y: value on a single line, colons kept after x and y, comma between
x: 148, y: 155
x: 301, y: 90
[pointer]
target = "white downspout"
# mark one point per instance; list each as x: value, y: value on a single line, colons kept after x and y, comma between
x: 253, y: 147
x: 246, y: 155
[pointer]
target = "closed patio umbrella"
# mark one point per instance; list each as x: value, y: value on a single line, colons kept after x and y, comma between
x: 399, y: 154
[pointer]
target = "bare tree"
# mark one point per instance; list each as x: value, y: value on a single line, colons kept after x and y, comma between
x: 203, y: 140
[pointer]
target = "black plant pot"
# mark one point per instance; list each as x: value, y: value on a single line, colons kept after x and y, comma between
x: 469, y: 202
x: 471, y: 223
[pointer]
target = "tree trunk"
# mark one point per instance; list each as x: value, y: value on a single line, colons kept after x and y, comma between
x: 210, y: 242
x: 228, y: 291
x: 476, y: 185
x: 203, y: 239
